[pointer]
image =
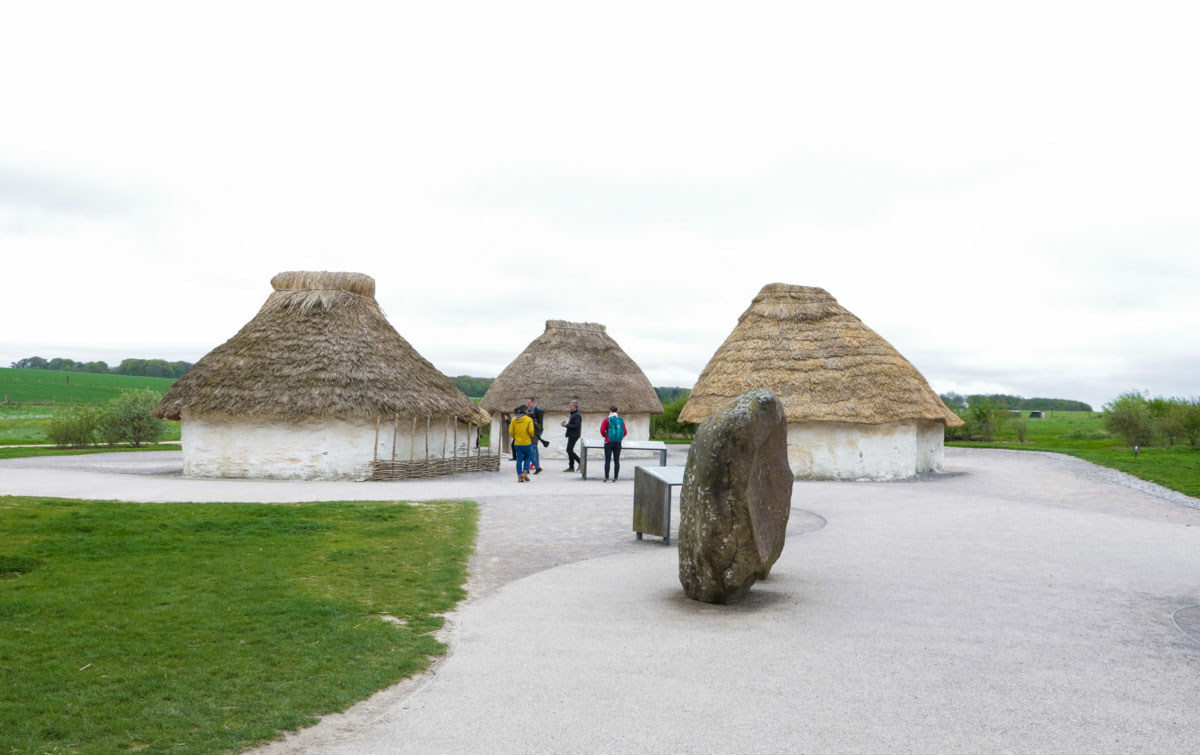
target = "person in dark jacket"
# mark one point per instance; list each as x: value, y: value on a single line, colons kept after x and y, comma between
x: 574, y: 427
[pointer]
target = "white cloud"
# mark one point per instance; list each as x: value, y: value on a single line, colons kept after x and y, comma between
x: 1005, y: 193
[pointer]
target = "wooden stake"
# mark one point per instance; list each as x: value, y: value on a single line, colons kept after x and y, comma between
x: 395, y: 430
x: 445, y: 432
x: 412, y: 447
x: 376, y: 439
x: 426, y: 437
x: 456, y: 437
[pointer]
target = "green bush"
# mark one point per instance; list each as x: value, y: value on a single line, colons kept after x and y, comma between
x: 1128, y: 415
x: 1021, y: 428
x: 667, y: 424
x: 1170, y: 419
x: 128, y: 419
x: 74, y: 429
x: 1191, y: 422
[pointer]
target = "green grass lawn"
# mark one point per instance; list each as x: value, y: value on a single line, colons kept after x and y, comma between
x: 28, y: 423
x: 55, y: 387
x: 212, y: 626
x: 1082, y: 434
x: 22, y: 452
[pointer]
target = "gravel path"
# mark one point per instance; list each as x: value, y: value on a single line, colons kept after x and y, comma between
x: 1019, y: 602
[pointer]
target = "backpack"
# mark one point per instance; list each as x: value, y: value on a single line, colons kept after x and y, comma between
x: 616, y: 429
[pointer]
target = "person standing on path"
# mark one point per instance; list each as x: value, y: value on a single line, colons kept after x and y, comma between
x: 574, y: 425
x: 613, y: 430
x: 521, y: 431
x: 539, y: 422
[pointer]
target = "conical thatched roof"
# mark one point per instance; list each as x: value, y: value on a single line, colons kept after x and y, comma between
x: 573, y: 361
x: 820, y: 359
x: 320, y: 347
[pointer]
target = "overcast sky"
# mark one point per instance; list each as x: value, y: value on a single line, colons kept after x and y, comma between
x: 1009, y: 193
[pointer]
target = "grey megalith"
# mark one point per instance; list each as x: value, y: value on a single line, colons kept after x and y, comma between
x: 736, y: 498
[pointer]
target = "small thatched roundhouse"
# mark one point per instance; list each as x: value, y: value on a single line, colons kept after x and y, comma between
x: 317, y: 386
x: 856, y: 408
x: 573, y: 361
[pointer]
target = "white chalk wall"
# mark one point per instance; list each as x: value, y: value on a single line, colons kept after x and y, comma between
x: 845, y: 451
x: 637, y: 427
x: 324, y: 450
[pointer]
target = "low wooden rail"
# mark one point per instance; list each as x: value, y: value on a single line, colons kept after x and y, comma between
x: 432, y: 466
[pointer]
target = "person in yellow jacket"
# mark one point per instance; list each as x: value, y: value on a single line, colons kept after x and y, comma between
x: 521, y: 431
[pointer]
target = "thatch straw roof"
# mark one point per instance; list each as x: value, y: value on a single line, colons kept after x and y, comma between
x: 320, y: 347
x: 573, y: 361
x: 820, y: 359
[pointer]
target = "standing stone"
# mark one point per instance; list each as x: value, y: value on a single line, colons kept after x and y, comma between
x: 736, y: 498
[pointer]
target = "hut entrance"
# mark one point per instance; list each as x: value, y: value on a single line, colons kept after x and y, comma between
x: 435, y: 447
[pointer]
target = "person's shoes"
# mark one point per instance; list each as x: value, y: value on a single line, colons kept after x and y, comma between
x: 520, y: 478
x: 569, y: 469
x: 606, y: 479
x: 537, y: 470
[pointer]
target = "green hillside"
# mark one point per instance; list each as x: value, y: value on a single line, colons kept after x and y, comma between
x: 54, y: 387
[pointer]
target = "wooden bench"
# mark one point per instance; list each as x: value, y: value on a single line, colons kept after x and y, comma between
x: 652, y: 500
x: 626, y: 445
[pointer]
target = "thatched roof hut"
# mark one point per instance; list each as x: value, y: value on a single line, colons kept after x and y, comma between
x: 822, y: 361
x: 320, y: 347
x: 305, y: 388
x: 575, y: 361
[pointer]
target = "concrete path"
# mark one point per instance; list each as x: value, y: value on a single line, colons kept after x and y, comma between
x: 1020, y: 602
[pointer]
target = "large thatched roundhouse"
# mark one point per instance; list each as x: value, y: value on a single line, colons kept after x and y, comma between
x: 317, y: 386
x: 856, y: 408
x: 574, y: 361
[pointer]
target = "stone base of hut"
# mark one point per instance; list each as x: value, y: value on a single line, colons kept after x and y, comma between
x: 851, y: 451
x: 637, y: 427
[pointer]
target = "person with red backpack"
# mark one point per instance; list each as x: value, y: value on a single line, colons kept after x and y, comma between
x: 613, y: 430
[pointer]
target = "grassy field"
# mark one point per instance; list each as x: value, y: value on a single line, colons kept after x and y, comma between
x: 21, y: 452
x: 210, y: 626
x: 28, y: 423
x: 54, y: 387
x: 40, y: 395
x: 1082, y: 434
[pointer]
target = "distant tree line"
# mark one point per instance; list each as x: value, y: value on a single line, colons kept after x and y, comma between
x: 140, y: 367
x: 474, y: 387
x: 956, y: 401
x: 1142, y: 420
x: 670, y: 394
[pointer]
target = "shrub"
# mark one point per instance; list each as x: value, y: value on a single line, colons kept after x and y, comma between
x: 981, y: 419
x: 128, y: 418
x: 1191, y: 422
x: 74, y: 429
x: 1128, y: 415
x: 1172, y: 419
x: 667, y: 423
x: 1021, y: 427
